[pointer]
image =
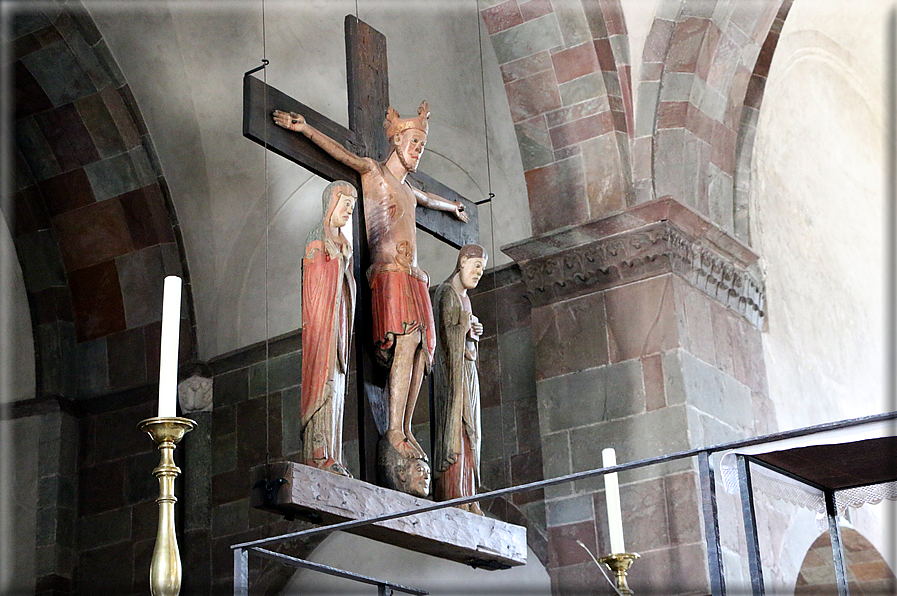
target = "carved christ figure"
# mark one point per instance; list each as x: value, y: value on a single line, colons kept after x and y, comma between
x: 328, y: 307
x: 456, y: 401
x: 402, y: 313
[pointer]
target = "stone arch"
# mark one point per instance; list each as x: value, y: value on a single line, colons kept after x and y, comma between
x: 565, y: 66
x: 94, y: 226
x: 867, y: 571
x: 708, y: 63
x: 748, y: 128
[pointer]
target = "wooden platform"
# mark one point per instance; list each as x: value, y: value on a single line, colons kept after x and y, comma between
x: 308, y: 493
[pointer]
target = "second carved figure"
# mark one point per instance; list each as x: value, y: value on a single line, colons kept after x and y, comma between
x: 456, y: 415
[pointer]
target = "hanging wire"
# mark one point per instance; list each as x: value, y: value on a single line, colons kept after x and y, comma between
x: 267, y: 226
x: 495, y: 309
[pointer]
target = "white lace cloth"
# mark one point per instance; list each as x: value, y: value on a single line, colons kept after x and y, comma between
x: 793, y: 491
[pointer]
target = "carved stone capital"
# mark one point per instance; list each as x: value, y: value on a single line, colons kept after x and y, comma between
x: 647, y: 240
x: 195, y: 394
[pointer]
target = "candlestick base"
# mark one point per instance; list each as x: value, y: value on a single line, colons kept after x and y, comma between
x: 165, y: 569
x: 619, y: 563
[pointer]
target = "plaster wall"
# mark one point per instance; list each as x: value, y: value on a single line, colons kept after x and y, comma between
x: 818, y: 213
x: 17, y: 376
x: 184, y: 62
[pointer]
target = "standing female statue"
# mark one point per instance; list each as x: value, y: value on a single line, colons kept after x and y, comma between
x: 328, y: 307
x: 456, y: 420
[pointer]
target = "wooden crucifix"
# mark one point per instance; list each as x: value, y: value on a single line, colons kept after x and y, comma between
x: 368, y: 103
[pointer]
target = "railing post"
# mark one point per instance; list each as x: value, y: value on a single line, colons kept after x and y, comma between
x: 750, y: 525
x: 241, y: 572
x: 711, y: 525
x: 834, y: 530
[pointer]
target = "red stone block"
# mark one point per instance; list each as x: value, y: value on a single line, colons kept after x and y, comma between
x: 29, y: 95
x: 626, y: 85
x: 30, y: 212
x: 96, y: 298
x: 685, y: 45
x: 655, y: 395
x: 640, y: 319
x: 708, y: 51
x: 613, y: 17
x: 575, y: 62
x: 672, y: 114
x: 533, y: 95
x: 67, y: 137
x: 557, y: 195
x: 580, y: 130
x: 53, y: 304
x: 66, y: 192
x: 722, y: 148
x: 658, y: 41
x: 92, y: 234
x: 563, y: 549
x: 524, y: 67
x: 502, y: 16
x: 605, y: 53
x: 534, y: 9
x: 700, y: 123
x: 114, y: 102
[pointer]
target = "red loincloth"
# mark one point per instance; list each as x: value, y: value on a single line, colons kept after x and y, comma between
x: 401, y: 305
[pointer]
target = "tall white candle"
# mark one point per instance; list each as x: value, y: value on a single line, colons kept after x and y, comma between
x: 612, y: 495
x: 168, y: 359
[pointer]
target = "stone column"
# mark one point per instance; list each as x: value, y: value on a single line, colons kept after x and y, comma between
x: 646, y: 327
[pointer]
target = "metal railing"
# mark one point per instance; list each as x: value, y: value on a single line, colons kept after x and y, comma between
x: 709, y: 510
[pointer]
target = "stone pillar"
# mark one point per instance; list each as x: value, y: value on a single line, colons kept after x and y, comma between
x: 646, y: 332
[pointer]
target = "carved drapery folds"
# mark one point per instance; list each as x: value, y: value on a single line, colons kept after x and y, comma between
x: 659, y: 237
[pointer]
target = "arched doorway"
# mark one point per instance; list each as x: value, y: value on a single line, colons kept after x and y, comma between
x: 867, y: 572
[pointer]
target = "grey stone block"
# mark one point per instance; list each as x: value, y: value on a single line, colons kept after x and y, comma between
x: 647, y: 105
x: 105, y: 528
x: 41, y: 261
x: 56, y: 343
x: 716, y: 393
x: 231, y: 518
x: 291, y: 408
x: 638, y: 437
x: 535, y: 145
x: 677, y: 86
x: 516, y: 360
x: 35, y: 150
x: 556, y: 455
x: 581, y: 89
x: 113, y: 176
x: 527, y: 39
x: 492, y: 433
x: 570, y: 510
x: 592, y: 396
x: 59, y: 73
x: 24, y: 22
x: 231, y: 387
x: 93, y: 368
x: 285, y: 371
x: 224, y: 453
x: 109, y: 64
x: 140, y: 274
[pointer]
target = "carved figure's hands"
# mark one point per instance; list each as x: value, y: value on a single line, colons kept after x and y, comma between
x: 459, y: 211
x: 289, y: 120
x: 476, y: 328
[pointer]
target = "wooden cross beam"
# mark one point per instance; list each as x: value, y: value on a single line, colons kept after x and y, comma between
x: 368, y: 91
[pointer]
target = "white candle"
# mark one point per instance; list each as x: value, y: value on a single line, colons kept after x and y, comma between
x: 612, y: 495
x: 168, y: 359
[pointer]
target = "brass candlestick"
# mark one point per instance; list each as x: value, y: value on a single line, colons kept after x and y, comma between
x: 165, y: 569
x: 619, y: 564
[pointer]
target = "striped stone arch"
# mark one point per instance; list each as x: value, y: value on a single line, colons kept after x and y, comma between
x: 94, y: 227
x: 587, y: 150
x: 566, y: 72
